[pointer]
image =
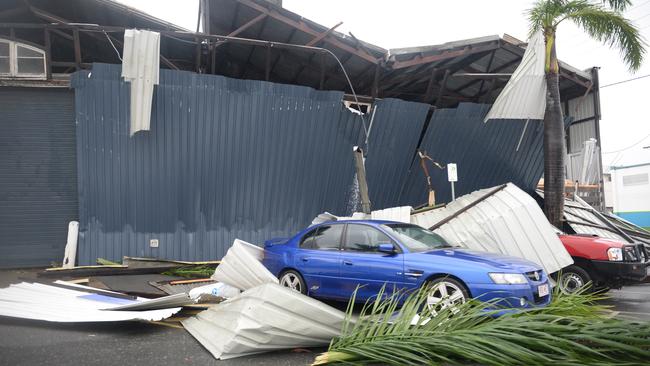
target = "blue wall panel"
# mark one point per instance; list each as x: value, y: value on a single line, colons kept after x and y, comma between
x: 486, y: 153
x: 224, y: 159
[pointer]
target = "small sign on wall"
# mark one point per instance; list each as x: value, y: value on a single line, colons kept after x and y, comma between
x: 452, y: 172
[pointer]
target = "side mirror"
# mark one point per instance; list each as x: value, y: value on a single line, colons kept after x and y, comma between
x: 386, y: 248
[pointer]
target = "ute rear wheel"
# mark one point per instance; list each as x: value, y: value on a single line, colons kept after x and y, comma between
x: 445, y: 293
x: 294, y: 281
x: 572, y: 279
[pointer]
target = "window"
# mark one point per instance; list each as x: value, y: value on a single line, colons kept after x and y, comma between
x: 415, y: 238
x: 323, y: 238
x: 635, y: 179
x: 19, y: 60
x: 4, y: 57
x: 364, y: 238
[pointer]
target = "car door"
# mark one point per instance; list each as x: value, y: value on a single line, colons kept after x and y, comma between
x: 319, y: 258
x: 363, y: 265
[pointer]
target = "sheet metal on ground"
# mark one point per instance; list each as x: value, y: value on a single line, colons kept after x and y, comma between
x: 509, y: 222
x: 264, y: 318
x: 42, y: 302
x: 242, y: 267
x: 224, y: 159
x: 486, y: 154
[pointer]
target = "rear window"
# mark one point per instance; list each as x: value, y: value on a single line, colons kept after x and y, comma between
x: 323, y: 238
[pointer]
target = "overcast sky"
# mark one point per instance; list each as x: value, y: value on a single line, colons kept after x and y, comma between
x: 404, y: 23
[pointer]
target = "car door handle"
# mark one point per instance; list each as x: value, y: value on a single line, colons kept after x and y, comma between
x: 347, y: 263
x: 413, y: 273
x: 304, y: 259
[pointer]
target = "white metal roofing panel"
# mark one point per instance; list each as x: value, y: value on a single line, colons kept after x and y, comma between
x: 509, y: 222
x: 140, y: 66
x: 265, y: 318
x: 524, y: 96
x: 242, y: 267
x: 42, y: 302
x: 400, y: 214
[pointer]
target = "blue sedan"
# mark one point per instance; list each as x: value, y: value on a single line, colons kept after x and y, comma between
x: 330, y: 260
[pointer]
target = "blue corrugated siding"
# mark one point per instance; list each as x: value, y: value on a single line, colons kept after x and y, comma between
x: 224, y: 159
x: 394, y: 136
x: 485, y: 153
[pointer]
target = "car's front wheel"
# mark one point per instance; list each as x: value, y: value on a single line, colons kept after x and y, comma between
x: 294, y: 281
x: 573, y: 278
x: 445, y: 293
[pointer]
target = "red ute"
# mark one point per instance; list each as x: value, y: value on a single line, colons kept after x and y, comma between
x: 606, y: 263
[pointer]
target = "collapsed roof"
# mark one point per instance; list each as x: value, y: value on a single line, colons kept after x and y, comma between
x: 472, y: 70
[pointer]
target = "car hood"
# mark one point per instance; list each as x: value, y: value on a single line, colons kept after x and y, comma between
x: 497, y: 262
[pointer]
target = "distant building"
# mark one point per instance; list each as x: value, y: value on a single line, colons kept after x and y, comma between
x: 630, y: 193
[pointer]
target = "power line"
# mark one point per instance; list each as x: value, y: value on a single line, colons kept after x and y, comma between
x: 625, y: 81
x: 627, y: 148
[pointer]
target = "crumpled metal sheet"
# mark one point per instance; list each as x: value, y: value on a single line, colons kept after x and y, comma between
x: 55, y: 304
x: 509, y: 222
x: 164, y: 302
x: 242, y: 267
x: 524, y: 95
x: 265, y: 318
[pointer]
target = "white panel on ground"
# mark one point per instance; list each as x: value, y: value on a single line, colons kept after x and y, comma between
x: 49, y: 303
x: 266, y: 318
x: 140, y: 67
x: 524, y: 96
x: 508, y: 222
x: 242, y: 267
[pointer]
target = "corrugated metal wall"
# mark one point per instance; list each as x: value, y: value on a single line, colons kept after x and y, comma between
x: 582, y: 110
x: 38, y: 175
x: 224, y: 159
x: 394, y: 136
x: 486, y: 153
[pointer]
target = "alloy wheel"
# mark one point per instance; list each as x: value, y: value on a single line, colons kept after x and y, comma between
x: 444, y: 295
x: 291, y: 281
x: 571, y: 282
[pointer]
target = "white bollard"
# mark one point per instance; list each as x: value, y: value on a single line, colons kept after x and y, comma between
x: 70, y: 255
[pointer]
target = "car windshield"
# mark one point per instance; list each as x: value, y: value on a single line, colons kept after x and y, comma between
x: 415, y: 238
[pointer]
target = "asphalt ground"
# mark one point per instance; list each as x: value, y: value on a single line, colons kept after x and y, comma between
x: 26, y: 342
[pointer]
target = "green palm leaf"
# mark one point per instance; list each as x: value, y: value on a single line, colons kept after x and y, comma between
x: 572, y: 330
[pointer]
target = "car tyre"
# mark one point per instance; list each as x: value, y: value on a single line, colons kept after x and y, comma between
x: 293, y: 280
x: 573, y: 278
x: 445, y: 293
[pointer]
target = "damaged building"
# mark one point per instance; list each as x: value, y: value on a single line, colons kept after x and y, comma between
x: 252, y: 124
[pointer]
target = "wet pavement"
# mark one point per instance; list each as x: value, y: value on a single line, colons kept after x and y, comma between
x: 24, y: 342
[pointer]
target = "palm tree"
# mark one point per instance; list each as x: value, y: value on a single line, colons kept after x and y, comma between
x: 602, y: 21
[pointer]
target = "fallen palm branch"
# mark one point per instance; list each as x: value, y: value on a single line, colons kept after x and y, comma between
x: 572, y: 330
x: 201, y: 271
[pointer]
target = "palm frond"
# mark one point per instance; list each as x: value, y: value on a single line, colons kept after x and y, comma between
x: 609, y: 27
x: 471, y: 333
x: 618, y: 5
x: 544, y: 14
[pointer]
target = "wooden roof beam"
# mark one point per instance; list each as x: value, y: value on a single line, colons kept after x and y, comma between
x: 321, y: 36
x: 444, y: 55
x: 312, y: 43
x: 241, y: 29
x: 306, y: 29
